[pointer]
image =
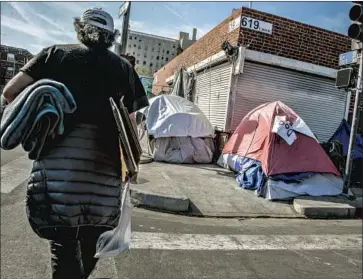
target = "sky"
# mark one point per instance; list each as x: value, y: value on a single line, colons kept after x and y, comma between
x: 35, y: 25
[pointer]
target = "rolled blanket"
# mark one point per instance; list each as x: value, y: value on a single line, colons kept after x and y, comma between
x: 36, y: 114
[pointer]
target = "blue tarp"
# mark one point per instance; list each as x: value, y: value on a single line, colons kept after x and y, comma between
x: 250, y: 174
x: 342, y: 135
x: 292, y: 177
x: 147, y: 83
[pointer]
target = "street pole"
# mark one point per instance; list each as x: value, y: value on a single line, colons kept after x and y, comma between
x: 354, y: 128
x: 125, y: 28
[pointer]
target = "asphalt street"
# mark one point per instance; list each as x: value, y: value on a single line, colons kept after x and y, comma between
x: 169, y: 246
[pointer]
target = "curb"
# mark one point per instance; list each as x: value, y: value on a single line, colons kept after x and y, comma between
x: 325, y: 207
x: 157, y: 201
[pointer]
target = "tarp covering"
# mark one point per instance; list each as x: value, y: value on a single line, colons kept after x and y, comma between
x: 260, y: 137
x: 319, y: 184
x: 147, y: 83
x: 184, y: 150
x: 342, y: 135
x: 183, y: 84
x: 173, y: 116
x: 282, y: 186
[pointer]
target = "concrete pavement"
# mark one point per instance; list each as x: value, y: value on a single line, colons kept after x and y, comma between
x: 210, y: 190
x: 167, y: 246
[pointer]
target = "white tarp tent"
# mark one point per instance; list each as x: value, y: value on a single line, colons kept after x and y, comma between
x: 181, y: 132
x: 173, y: 116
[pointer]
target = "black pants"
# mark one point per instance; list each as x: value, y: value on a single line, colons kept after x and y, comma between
x: 74, y: 259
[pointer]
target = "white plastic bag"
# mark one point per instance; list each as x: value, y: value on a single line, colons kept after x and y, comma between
x: 118, y: 240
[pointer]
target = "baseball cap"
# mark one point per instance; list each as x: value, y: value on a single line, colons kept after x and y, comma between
x: 99, y: 18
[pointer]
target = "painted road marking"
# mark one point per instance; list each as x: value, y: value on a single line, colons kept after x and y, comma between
x: 165, y: 241
x: 15, y: 173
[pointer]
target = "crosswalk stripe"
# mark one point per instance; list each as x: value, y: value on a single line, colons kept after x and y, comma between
x: 15, y: 173
x: 164, y: 241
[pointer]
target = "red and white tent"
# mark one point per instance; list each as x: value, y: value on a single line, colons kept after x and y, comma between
x: 277, y: 137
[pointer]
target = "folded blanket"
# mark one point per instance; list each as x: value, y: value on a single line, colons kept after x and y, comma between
x: 36, y: 114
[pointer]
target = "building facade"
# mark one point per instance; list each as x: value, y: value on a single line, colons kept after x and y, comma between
x: 152, y: 52
x: 277, y: 59
x: 11, y: 60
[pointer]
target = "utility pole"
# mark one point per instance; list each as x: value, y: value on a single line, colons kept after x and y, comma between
x: 354, y: 128
x: 355, y: 32
x: 124, y: 13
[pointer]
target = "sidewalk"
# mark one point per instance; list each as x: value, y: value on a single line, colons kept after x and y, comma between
x: 201, y: 190
x: 210, y: 191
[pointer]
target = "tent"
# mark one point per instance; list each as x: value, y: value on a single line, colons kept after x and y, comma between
x: 181, y: 132
x: 272, y: 143
x: 342, y: 135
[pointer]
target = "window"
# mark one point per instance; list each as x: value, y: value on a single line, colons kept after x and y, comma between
x: 145, y: 56
x: 146, y: 48
x: 157, y: 57
x: 139, y: 47
x: 130, y: 37
x: 162, y: 58
x: 140, y: 41
x: 144, y: 63
x: 152, y: 50
x: 159, y: 44
x: 134, y: 45
x: 174, y: 46
x: 10, y: 71
x: 11, y: 57
x: 135, y: 38
x: 167, y: 59
x: 167, y: 52
x: 137, y: 61
x: 138, y: 55
x: 163, y: 50
x: 151, y: 64
x: 133, y: 53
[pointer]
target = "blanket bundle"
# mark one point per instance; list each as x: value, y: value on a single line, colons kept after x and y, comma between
x: 36, y: 114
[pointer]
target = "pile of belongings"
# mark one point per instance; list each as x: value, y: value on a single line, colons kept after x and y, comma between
x: 180, y: 131
x: 341, y: 136
x: 274, y: 152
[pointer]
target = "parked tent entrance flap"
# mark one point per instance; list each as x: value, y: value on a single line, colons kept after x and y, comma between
x: 254, y: 138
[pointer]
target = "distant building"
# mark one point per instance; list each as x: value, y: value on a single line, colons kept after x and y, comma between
x: 152, y: 52
x: 185, y: 41
x: 11, y: 60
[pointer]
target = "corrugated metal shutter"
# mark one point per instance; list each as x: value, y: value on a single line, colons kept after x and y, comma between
x: 314, y: 98
x: 212, y: 88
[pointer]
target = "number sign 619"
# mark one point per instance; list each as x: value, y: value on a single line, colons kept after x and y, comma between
x: 257, y: 25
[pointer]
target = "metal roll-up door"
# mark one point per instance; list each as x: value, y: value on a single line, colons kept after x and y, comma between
x: 212, y: 89
x: 315, y: 99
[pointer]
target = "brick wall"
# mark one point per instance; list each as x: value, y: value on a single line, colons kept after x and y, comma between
x: 295, y: 40
x: 290, y: 39
x: 205, y: 47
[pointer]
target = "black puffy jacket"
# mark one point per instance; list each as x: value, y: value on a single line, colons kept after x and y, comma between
x: 75, y: 185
